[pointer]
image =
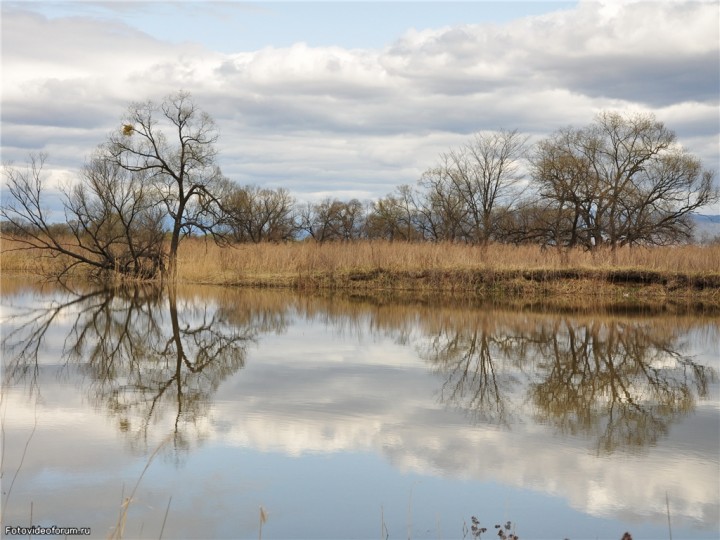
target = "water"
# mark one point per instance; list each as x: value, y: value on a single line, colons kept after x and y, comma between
x: 355, y: 418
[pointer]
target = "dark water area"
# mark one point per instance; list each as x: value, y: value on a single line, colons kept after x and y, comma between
x: 217, y: 412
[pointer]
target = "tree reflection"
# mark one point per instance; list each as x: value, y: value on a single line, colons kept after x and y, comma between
x: 623, y: 383
x: 152, y: 356
x: 473, y: 381
x: 147, y: 355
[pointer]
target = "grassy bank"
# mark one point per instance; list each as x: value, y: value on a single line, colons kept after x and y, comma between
x: 689, y: 272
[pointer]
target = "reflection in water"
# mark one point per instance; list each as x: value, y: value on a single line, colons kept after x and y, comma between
x: 377, y: 377
x: 473, y: 380
x: 621, y: 382
x: 139, y: 366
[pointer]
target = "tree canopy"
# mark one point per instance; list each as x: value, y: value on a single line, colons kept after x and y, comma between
x: 621, y: 180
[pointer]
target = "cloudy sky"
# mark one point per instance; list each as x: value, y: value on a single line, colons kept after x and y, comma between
x: 353, y: 99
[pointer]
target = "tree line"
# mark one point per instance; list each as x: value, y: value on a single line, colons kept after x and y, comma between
x: 621, y: 180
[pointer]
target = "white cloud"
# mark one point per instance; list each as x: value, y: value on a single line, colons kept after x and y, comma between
x: 331, y: 118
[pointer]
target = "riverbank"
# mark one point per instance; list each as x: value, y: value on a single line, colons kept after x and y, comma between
x: 679, y: 273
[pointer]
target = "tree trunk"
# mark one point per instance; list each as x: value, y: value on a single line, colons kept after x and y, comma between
x: 172, y: 256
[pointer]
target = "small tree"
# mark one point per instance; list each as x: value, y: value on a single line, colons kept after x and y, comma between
x: 485, y: 173
x: 112, y: 222
x: 441, y: 210
x: 394, y: 217
x: 260, y: 215
x: 333, y: 219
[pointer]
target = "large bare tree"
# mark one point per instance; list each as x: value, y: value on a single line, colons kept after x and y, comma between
x: 174, y: 144
x: 621, y: 180
x: 157, y: 169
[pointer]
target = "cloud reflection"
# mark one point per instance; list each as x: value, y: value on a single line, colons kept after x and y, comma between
x: 593, y: 407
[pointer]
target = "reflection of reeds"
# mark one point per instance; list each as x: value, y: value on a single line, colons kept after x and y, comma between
x: 167, y: 510
x: 263, y: 520
x: 22, y: 458
x: 384, y: 533
x: 503, y: 531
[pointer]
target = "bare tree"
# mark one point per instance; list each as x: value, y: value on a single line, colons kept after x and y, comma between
x: 395, y: 217
x: 259, y: 215
x: 568, y: 188
x: 657, y: 208
x: 333, y: 219
x: 622, y: 180
x: 173, y: 145
x: 112, y: 222
x: 484, y: 173
x: 441, y: 209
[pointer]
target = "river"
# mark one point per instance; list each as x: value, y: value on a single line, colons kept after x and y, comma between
x: 226, y: 413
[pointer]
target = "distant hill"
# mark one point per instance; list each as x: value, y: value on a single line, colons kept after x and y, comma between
x: 707, y: 226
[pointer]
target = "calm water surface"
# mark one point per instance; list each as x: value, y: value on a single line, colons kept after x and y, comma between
x: 354, y: 418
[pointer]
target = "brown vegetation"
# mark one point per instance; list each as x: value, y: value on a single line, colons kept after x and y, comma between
x: 368, y: 260
x: 619, y: 183
x: 662, y: 272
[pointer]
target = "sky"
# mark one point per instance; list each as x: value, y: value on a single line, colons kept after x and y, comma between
x: 352, y: 99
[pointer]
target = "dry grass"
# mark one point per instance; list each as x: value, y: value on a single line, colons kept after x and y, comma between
x: 203, y: 261
x: 687, y: 272
x: 378, y: 265
x: 14, y: 259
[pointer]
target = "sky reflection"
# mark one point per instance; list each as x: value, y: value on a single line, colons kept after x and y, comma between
x: 337, y: 415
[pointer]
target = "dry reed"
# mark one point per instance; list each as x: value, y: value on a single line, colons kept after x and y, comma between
x: 497, y: 268
x: 204, y: 261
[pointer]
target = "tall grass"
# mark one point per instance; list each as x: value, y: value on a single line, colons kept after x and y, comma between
x: 387, y: 265
x: 203, y: 261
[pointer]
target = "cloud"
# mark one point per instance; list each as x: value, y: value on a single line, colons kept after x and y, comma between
x: 311, y: 116
x: 647, y: 53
